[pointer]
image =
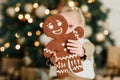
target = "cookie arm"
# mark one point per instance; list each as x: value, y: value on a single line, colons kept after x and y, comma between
x: 49, y: 50
x: 77, y: 33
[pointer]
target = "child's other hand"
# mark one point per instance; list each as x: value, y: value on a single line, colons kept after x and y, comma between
x: 54, y: 59
x: 74, y: 46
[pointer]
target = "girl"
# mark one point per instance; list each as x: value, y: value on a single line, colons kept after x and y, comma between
x: 82, y: 47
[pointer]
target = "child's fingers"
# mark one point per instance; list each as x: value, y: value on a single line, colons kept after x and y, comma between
x: 76, y: 45
x: 72, y: 48
x: 72, y: 41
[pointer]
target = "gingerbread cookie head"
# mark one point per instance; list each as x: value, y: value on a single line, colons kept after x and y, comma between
x: 55, y: 26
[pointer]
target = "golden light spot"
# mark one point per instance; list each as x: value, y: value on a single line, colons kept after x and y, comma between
x: 47, y: 11
x: 41, y: 24
x: 71, y: 3
x: 38, y: 33
x: 6, y: 45
x: 106, y: 32
x: 2, y: 49
x: 36, y: 43
x: 29, y: 33
x: 17, y: 47
x: 27, y: 16
x: 30, y: 20
x: 17, y: 35
x: 17, y: 9
x: 20, y: 16
x: 35, y: 5
x: 91, y: 1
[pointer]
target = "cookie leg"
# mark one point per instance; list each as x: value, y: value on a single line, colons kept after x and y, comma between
x: 62, y: 68
x: 75, y: 63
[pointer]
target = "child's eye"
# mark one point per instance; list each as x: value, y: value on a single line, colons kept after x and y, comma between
x: 59, y: 23
x: 70, y: 25
x: 50, y: 26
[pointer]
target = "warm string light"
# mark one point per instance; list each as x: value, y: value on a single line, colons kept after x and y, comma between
x: 25, y: 17
x: 2, y: 49
x: 47, y: 11
x: 30, y: 20
x: 71, y: 3
x: 20, y: 16
x: 7, y: 45
x: 36, y: 43
x: 84, y: 8
x: 37, y: 32
x: 17, y: 9
x: 17, y: 35
x: 35, y: 5
x: 29, y: 33
x: 106, y: 32
x: 17, y: 47
x: 90, y: 1
x: 41, y: 24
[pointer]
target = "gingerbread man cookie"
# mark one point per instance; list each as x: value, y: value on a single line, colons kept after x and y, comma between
x: 56, y: 26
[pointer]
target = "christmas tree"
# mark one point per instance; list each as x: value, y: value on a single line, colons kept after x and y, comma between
x: 21, y: 33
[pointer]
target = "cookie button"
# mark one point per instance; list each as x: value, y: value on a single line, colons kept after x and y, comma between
x: 65, y: 49
x: 63, y: 44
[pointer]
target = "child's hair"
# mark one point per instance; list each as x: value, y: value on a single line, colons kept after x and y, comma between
x: 77, y: 10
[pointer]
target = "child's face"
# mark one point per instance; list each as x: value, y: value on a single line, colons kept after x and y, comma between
x: 72, y: 19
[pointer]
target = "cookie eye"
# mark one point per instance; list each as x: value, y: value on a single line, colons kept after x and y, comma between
x: 59, y: 23
x: 50, y: 26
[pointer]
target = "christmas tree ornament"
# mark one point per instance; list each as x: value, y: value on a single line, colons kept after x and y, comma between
x: 28, y: 7
x: 40, y: 11
x: 103, y: 9
x: 88, y: 31
x: 100, y: 37
x: 88, y: 16
x: 98, y: 48
x: 84, y: 8
x: 102, y: 23
x: 10, y: 11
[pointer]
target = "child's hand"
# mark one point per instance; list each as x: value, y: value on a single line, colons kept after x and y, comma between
x: 54, y: 59
x: 75, y: 46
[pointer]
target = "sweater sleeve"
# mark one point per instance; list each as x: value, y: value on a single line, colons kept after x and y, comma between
x: 89, y: 47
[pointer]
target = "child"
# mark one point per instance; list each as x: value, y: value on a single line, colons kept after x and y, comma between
x: 81, y: 47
